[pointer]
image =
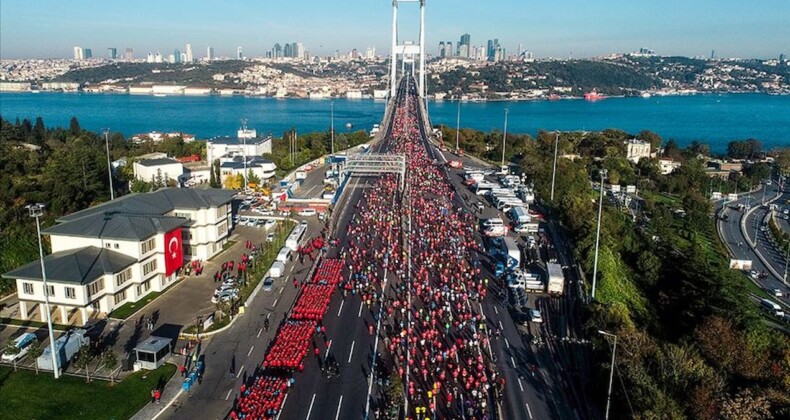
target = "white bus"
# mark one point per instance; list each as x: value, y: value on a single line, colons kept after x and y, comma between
x: 295, y: 238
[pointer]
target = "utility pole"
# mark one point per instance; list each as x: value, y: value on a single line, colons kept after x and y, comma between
x: 109, y: 166
x: 598, y: 234
x: 332, y: 124
x: 504, y: 136
x: 36, y: 211
x: 554, y: 171
x: 244, y: 150
x: 458, y: 127
x: 611, y: 372
x: 787, y: 260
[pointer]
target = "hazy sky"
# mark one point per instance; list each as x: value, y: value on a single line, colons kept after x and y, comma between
x: 734, y: 28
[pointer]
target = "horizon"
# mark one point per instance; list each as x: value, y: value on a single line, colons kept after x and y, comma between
x: 730, y: 28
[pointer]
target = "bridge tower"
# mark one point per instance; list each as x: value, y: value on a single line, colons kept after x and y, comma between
x: 407, y: 50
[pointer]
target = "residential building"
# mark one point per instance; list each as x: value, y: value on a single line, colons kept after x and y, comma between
x: 209, y: 53
x: 121, y: 251
x: 245, y: 143
x: 154, y: 169
x: 637, y: 149
x: 79, y: 54
x: 667, y: 166
x: 190, y: 57
x: 233, y: 164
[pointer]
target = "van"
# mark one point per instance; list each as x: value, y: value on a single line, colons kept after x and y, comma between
x: 772, y: 307
x: 493, y: 222
x: 22, y: 343
x: 307, y: 212
x: 283, y: 255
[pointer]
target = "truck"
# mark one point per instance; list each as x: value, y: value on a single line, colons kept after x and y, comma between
x: 520, y: 215
x: 65, y: 347
x: 277, y: 269
x: 521, y: 279
x: 512, y: 252
x: 555, y: 279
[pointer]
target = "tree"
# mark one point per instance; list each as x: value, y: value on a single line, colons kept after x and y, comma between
x: 212, y: 181
x: 109, y: 360
x: 783, y: 161
x: 651, y: 137
x: 671, y: 149
x: 744, y: 149
x: 83, y: 360
x: 745, y: 405
x: 34, y: 351
x: 140, y: 186
x: 253, y: 178
x: 74, y: 127
x: 12, y: 350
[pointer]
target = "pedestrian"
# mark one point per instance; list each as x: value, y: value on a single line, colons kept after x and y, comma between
x: 157, y: 395
x: 183, y: 370
x: 153, y: 395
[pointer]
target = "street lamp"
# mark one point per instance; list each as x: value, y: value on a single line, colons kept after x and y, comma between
x: 598, y: 234
x: 554, y: 171
x: 332, y: 124
x: 244, y: 150
x: 109, y: 166
x: 36, y: 211
x: 611, y: 372
x: 504, y: 136
x: 787, y: 260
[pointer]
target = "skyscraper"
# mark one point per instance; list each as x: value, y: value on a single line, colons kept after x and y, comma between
x: 465, y: 42
x: 176, y: 56
x: 87, y: 53
x: 210, y: 53
x: 112, y: 53
x: 288, y: 51
x: 78, y: 53
x: 491, y: 51
x: 239, y: 54
x: 190, y: 58
x: 299, y: 51
x: 277, y: 51
x: 781, y: 58
x: 448, y: 49
x: 129, y: 54
x: 441, y: 48
x: 293, y: 49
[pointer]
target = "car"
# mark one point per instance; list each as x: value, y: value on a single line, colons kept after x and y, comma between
x: 267, y: 213
x: 225, y: 296
x: 22, y: 346
x: 303, y: 223
x: 268, y: 283
x: 321, y: 216
x: 269, y: 224
x: 777, y: 292
x: 307, y: 212
x: 480, y: 206
x: 754, y: 274
x: 534, y: 316
x: 270, y: 237
x: 285, y: 213
x: 243, y: 220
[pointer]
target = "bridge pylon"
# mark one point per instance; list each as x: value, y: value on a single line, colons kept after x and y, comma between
x: 408, y: 51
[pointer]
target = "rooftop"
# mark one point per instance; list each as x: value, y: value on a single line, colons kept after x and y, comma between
x: 153, y: 344
x: 77, y: 266
x: 157, y: 162
x: 236, y: 140
x: 117, y: 225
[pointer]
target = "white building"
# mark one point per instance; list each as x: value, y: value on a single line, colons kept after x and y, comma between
x: 234, y: 164
x: 245, y: 143
x: 667, y: 166
x: 150, y: 169
x: 122, y: 250
x: 637, y: 149
x: 79, y: 54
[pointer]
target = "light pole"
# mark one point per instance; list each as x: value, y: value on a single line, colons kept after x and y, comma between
x: 244, y: 150
x: 36, y: 211
x: 109, y: 166
x: 554, y: 171
x: 611, y: 372
x: 504, y: 136
x: 787, y: 260
x: 598, y: 234
x: 458, y: 126
x: 332, y: 124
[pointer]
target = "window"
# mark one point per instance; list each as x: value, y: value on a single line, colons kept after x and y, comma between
x: 221, y: 211
x: 186, y: 235
x: 96, y: 287
x: 149, y: 267
x: 149, y: 245
x: 146, y: 286
x: 119, y: 297
x: 70, y: 293
x: 51, y: 291
x: 222, y: 229
x: 107, y: 245
x: 184, y: 215
x: 123, y: 277
x: 117, y: 245
x: 27, y: 288
x: 193, y: 250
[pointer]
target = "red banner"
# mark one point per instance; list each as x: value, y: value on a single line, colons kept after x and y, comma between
x: 174, y: 253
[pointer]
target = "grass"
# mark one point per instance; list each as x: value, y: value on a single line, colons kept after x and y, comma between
x: 130, y: 308
x: 30, y: 323
x: 26, y: 395
x: 266, y: 259
x: 215, y: 326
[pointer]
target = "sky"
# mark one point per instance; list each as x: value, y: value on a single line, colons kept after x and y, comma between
x: 547, y: 28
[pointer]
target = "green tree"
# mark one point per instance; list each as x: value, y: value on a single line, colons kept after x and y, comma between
x: 12, y: 350
x: 83, y: 359
x: 74, y: 127
x: 34, y: 352
x: 109, y: 361
x: 253, y: 178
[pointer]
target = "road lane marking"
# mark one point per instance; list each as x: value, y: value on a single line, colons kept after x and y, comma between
x: 228, y: 395
x: 360, y: 309
x: 341, y: 307
x: 513, y: 362
x: 496, y: 310
x: 268, y: 315
x: 282, y: 406
x: 500, y: 326
x: 328, y: 346
x: 520, y: 385
x: 275, y: 302
x: 351, y: 353
x: 529, y: 411
x: 239, y: 374
x: 337, y: 415
x: 250, y: 352
x: 507, y: 343
x: 310, y: 410
x: 281, y: 290
x: 260, y: 330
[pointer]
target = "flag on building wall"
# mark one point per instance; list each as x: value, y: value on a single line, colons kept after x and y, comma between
x: 174, y: 253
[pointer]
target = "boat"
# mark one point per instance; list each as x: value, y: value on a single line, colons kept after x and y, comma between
x: 349, y: 125
x: 645, y: 94
x: 159, y: 95
x: 554, y: 97
x: 593, y: 96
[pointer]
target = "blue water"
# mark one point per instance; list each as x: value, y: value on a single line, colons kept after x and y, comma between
x: 712, y: 119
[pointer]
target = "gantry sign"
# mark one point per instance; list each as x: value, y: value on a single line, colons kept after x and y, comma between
x: 408, y: 51
x: 375, y: 164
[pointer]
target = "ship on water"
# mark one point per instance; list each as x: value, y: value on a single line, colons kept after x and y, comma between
x: 594, y: 96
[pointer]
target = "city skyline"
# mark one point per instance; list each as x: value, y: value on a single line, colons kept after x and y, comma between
x: 731, y: 28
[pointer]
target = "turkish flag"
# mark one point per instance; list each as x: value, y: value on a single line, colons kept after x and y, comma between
x: 174, y: 253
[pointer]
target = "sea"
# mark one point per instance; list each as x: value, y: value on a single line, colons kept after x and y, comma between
x: 715, y: 119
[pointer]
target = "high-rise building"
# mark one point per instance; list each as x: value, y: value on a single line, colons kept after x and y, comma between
x: 239, y: 54
x: 129, y: 54
x: 441, y: 48
x: 210, y: 53
x: 370, y: 53
x: 491, y: 51
x: 781, y: 58
x: 78, y: 53
x: 149, y: 58
x: 299, y: 51
x: 112, y: 53
x: 287, y: 51
x: 464, y: 42
x: 448, y: 49
x: 293, y: 50
x: 87, y: 53
x: 277, y: 51
x: 158, y: 57
x: 712, y: 54
x: 190, y: 57
x: 176, y: 56
x: 463, y: 51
